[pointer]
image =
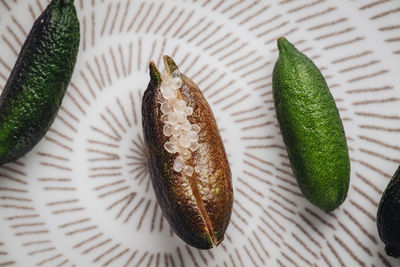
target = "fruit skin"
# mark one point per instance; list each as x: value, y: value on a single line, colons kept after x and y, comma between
x: 198, y: 208
x: 388, y: 216
x: 37, y: 83
x: 311, y: 128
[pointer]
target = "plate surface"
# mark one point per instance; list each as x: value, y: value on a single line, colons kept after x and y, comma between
x: 82, y: 197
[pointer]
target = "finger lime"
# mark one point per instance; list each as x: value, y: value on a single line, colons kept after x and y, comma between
x: 388, y: 217
x: 311, y: 128
x: 34, y: 91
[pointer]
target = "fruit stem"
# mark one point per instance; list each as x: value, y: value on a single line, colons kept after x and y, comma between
x: 283, y: 44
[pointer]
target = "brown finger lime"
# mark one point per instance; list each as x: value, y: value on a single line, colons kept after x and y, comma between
x: 188, y: 165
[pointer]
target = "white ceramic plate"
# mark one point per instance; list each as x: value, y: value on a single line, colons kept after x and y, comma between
x: 82, y: 197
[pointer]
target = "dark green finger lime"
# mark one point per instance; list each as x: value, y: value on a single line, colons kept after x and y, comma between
x: 37, y: 83
x: 388, y: 217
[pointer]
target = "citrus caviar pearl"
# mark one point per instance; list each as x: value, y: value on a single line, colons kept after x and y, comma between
x: 166, y: 108
x: 183, y: 135
x: 172, y: 118
x: 193, y: 136
x: 179, y: 163
x: 188, y: 170
x: 185, y: 154
x: 195, y: 128
x: 186, y: 126
x: 167, y: 130
x: 188, y: 111
x: 164, y: 118
x: 176, y: 130
x: 184, y: 141
x: 170, y: 147
x: 180, y: 106
x: 194, y: 146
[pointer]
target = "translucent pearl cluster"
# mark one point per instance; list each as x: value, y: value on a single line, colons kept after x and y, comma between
x: 183, y: 135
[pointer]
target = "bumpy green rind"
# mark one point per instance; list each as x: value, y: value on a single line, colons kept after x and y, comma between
x: 37, y: 83
x: 311, y: 128
x: 388, y: 216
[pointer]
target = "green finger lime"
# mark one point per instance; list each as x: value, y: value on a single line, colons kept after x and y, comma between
x: 311, y: 128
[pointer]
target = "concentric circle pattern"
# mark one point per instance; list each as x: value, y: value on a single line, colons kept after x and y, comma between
x: 83, y: 196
